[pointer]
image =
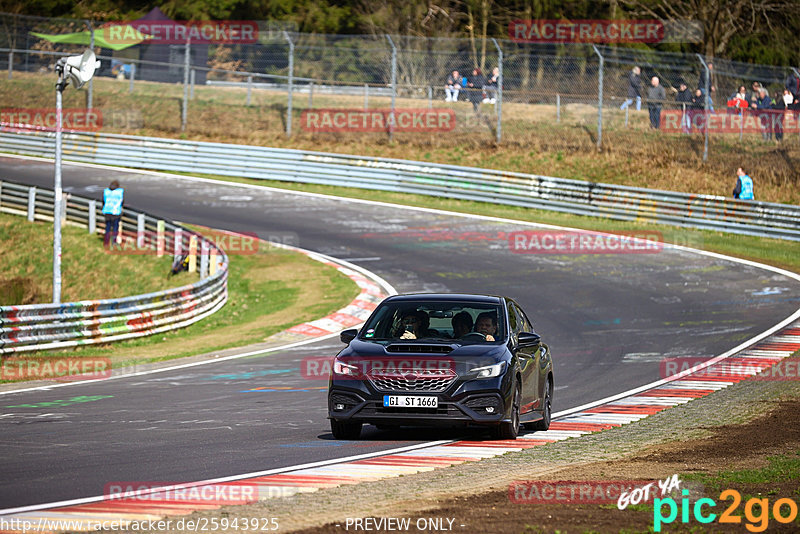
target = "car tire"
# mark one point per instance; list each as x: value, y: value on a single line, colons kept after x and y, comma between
x: 345, y: 430
x: 547, y: 408
x: 510, y: 429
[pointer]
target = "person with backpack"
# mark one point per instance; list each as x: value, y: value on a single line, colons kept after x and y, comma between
x: 113, y: 198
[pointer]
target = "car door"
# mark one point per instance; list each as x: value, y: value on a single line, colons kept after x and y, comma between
x: 526, y: 358
x: 541, y: 355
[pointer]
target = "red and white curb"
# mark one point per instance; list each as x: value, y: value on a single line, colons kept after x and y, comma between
x: 87, y: 514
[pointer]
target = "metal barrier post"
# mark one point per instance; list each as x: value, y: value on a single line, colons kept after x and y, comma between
x: 430, y: 97
x: 558, y: 107
x: 92, y: 216
x: 626, y: 116
x: 599, y: 99
x: 140, y: 231
x: 185, y: 106
x: 394, y: 87
x: 291, y: 81
x: 249, y: 88
x: 191, y: 83
x: 31, y: 204
x: 132, y: 78
x: 212, y: 262
x: 499, y: 96
x: 193, y: 254
x: 10, y: 64
x: 366, y: 96
x: 160, y: 241
x: 310, y: 95
x: 706, y: 99
x: 203, y: 259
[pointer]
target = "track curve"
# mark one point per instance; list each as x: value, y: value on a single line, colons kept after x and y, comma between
x: 608, y: 318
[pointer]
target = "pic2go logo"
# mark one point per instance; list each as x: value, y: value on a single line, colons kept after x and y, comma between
x: 756, y: 511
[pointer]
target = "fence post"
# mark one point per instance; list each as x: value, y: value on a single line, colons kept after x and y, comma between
x: 193, y: 253
x: 90, y: 89
x: 31, y: 204
x: 140, y: 231
x: 430, y: 97
x: 177, y: 244
x: 132, y: 78
x: 499, y: 97
x: 212, y: 262
x: 599, y: 99
x: 558, y: 107
x: 160, y: 241
x: 10, y: 63
x: 310, y: 95
x: 249, y: 88
x: 191, y: 83
x: 394, y: 86
x: 706, y: 98
x: 626, y: 115
x: 185, y: 106
x: 366, y: 96
x: 92, y: 216
x: 203, y: 259
x: 291, y: 81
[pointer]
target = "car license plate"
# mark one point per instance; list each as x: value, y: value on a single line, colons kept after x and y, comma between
x: 407, y: 401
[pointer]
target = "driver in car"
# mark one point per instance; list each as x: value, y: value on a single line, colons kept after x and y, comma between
x: 462, y: 324
x: 486, y: 324
x: 414, y: 324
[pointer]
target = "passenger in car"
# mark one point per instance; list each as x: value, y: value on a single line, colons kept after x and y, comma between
x: 462, y: 324
x: 486, y: 324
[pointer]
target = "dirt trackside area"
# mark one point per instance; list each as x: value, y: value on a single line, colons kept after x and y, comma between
x: 740, y: 450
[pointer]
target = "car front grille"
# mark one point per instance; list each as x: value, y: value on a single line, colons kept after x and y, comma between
x: 428, y: 381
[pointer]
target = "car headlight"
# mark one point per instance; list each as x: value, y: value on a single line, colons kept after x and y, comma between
x: 341, y: 368
x: 489, y: 371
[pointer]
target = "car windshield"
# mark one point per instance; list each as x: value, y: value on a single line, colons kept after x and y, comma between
x: 462, y: 322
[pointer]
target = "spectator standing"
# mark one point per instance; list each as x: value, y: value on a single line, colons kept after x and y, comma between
x: 634, y: 89
x: 763, y: 105
x: 793, y: 85
x: 744, y: 186
x: 491, y: 86
x: 684, y: 100
x: 475, y: 88
x: 697, y: 110
x: 752, y: 96
x: 655, y: 99
x: 452, y: 86
x: 782, y: 106
x: 113, y: 198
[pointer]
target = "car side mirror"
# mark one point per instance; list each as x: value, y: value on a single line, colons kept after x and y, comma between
x: 527, y: 339
x: 348, y: 335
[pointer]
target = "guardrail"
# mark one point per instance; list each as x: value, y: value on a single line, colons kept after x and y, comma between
x: 468, y: 183
x: 50, y: 326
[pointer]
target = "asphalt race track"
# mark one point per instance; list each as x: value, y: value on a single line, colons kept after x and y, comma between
x: 609, y: 320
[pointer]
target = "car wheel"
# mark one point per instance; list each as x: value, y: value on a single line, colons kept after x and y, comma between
x: 509, y: 430
x: 547, y: 406
x: 343, y: 430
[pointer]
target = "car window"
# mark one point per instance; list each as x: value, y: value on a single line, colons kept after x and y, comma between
x: 513, y: 321
x: 527, y: 326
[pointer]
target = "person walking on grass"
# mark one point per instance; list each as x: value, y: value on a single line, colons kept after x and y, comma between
x: 744, y: 186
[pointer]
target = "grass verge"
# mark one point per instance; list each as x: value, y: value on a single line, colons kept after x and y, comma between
x: 268, y: 291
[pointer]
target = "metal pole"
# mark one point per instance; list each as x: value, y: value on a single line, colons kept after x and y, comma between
x: 291, y: 82
x: 430, y: 97
x: 558, y: 107
x: 366, y: 96
x: 90, y: 92
x: 10, y: 64
x: 191, y: 83
x: 133, y: 77
x: 92, y: 216
x: 57, y: 198
x: 599, y: 99
x: 499, y: 91
x: 249, y: 88
x: 796, y: 73
x: 394, y: 87
x: 185, y: 106
x: 706, y: 98
x: 32, y: 204
x: 626, y: 115
x: 310, y: 95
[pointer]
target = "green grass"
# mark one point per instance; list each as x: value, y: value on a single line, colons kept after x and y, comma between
x: 781, y: 468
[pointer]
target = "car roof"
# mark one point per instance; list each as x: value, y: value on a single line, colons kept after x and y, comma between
x: 447, y: 297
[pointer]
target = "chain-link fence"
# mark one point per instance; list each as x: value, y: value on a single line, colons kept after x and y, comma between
x: 400, y: 87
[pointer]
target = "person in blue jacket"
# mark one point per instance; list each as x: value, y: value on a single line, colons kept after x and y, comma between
x: 744, y: 186
x: 113, y: 198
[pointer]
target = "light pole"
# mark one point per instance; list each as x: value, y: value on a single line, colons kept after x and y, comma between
x: 76, y: 70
